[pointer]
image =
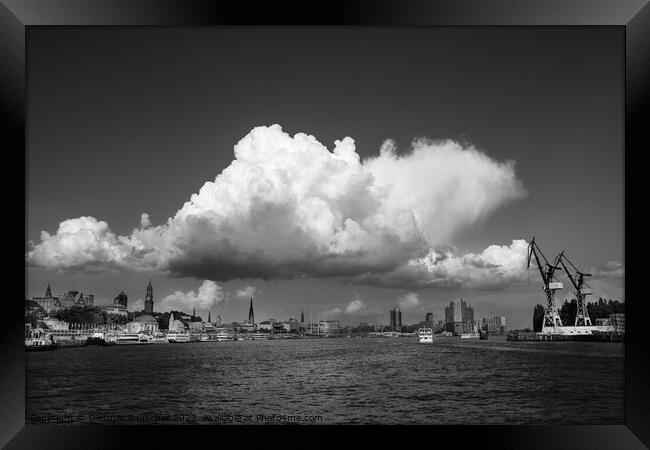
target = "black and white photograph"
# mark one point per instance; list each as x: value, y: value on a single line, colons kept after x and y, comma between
x: 270, y: 225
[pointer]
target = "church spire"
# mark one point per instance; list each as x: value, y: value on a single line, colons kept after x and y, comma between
x: 48, y: 291
x: 148, y: 300
x: 251, y: 315
x: 302, y: 316
x: 194, y: 313
x: 209, y: 321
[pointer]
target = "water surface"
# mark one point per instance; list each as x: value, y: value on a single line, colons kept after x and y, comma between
x: 347, y: 380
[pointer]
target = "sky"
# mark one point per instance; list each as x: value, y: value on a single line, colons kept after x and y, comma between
x: 337, y: 171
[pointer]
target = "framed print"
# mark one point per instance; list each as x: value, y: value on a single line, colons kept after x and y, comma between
x: 401, y: 214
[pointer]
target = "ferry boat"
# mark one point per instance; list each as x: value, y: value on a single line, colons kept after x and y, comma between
x: 159, y: 338
x: 99, y: 340
x: 222, y: 335
x: 259, y: 336
x: 204, y: 338
x: 128, y: 339
x: 425, y: 336
x: 38, y: 344
x: 473, y: 335
x: 174, y: 337
x: 145, y: 339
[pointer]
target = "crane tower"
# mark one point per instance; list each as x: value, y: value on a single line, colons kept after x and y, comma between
x: 552, y: 318
x: 578, y: 282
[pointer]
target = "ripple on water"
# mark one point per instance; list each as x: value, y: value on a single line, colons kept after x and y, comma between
x: 344, y: 380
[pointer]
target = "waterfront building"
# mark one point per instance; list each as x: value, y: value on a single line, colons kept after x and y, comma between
x: 119, y: 305
x: 265, y: 326
x: 195, y: 326
x: 247, y: 327
x: 122, y: 299
x: 76, y: 298
x: 459, y: 317
x: 328, y: 326
x: 143, y: 324
x: 33, y: 307
x: 148, y: 300
x: 494, y: 324
x: 294, y: 325
x: 56, y: 324
x: 396, y: 319
x: 429, y: 319
x: 176, y: 325
x: 617, y: 321
x: 48, y: 302
x: 115, y: 309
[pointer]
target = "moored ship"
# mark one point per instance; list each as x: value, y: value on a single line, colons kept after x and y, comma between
x: 174, y: 337
x: 425, y: 336
x: 38, y: 344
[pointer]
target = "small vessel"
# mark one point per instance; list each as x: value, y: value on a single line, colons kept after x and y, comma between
x: 473, y: 335
x: 175, y: 337
x: 425, y: 336
x: 40, y: 344
x: 159, y: 338
x: 259, y: 336
x: 145, y: 339
x: 204, y: 338
x: 222, y: 335
x: 128, y: 339
x: 99, y: 340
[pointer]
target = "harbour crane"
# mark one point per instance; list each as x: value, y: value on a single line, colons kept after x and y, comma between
x: 578, y: 282
x: 551, y: 284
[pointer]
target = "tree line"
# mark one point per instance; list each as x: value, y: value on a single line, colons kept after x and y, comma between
x: 596, y: 310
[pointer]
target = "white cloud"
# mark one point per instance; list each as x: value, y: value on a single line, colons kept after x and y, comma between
x: 612, y: 269
x: 409, y: 301
x: 209, y: 296
x: 247, y: 292
x: 288, y: 207
x: 355, y: 306
x: 493, y: 268
x: 145, y: 222
x: 332, y: 312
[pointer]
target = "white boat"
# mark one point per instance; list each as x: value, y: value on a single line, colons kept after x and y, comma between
x: 178, y: 337
x: 204, y: 338
x: 222, y: 335
x: 259, y: 336
x: 128, y: 338
x: 473, y: 335
x: 159, y: 338
x: 425, y: 336
x: 146, y: 339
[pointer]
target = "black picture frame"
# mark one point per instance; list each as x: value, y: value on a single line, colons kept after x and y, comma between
x: 16, y: 16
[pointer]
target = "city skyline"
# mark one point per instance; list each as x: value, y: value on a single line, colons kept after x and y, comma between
x: 136, y: 163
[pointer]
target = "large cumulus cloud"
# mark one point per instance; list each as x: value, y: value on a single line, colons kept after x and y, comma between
x: 288, y: 207
x: 210, y: 295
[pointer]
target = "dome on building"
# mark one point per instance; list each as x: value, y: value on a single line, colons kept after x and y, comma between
x: 145, y: 318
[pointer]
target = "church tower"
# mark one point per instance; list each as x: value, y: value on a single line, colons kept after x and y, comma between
x: 251, y: 315
x: 148, y: 300
x: 48, y: 291
x: 302, y: 316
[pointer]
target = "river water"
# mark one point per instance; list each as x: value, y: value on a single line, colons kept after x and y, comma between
x: 324, y: 381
